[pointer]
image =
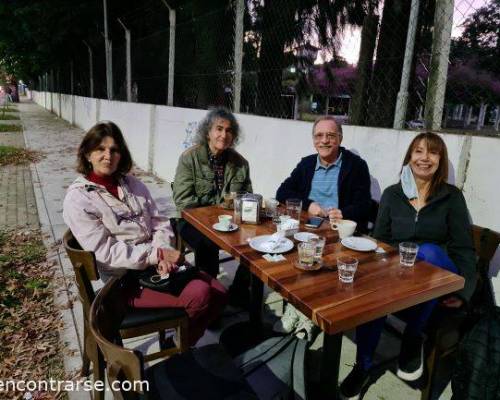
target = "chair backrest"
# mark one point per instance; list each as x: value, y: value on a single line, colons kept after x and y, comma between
x: 486, y: 243
x: 84, y: 267
x: 106, y: 314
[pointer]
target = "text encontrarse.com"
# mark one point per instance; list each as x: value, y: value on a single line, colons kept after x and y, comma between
x: 70, y: 386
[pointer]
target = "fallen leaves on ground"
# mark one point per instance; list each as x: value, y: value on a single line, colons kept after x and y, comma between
x: 10, y: 155
x: 30, y: 349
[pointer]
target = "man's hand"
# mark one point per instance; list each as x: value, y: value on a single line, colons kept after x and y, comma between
x: 452, y: 302
x: 316, y: 210
x: 335, y: 214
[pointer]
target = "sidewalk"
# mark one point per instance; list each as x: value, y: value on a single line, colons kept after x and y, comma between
x: 59, y: 141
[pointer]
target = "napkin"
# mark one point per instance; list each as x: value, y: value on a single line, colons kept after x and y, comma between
x: 273, y: 257
x: 273, y: 242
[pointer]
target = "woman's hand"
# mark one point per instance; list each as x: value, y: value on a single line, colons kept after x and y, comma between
x: 165, y: 267
x: 171, y: 255
x: 168, y: 260
x: 452, y: 302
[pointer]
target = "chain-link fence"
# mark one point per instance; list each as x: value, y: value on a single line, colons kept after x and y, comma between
x: 369, y: 62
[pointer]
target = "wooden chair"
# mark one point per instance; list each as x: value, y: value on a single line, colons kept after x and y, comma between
x: 136, y: 321
x: 206, y: 372
x: 446, y: 329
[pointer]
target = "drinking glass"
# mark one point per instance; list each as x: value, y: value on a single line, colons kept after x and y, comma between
x: 294, y: 208
x: 347, y: 267
x: 306, y: 254
x: 407, y: 253
x: 319, y: 245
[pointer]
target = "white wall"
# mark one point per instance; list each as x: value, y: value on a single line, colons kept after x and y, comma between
x: 273, y: 147
x: 134, y: 119
x: 85, y: 112
x: 170, y: 125
x: 66, y: 107
x: 157, y: 135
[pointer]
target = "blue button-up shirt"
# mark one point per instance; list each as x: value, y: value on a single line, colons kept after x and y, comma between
x: 324, y: 186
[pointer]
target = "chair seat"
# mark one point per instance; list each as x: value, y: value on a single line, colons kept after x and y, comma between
x: 203, y: 373
x: 142, y: 316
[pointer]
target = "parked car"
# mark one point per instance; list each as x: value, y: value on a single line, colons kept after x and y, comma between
x: 415, y: 124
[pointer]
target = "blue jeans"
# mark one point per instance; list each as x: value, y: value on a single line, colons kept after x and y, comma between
x: 368, y: 335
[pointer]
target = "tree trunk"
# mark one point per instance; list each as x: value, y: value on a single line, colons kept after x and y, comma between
x: 387, y: 72
x: 277, y: 18
x: 364, y: 70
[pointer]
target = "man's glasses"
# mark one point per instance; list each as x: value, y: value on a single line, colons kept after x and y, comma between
x: 329, y: 136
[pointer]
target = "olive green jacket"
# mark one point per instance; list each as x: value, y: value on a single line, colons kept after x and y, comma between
x: 194, y: 184
x: 444, y: 221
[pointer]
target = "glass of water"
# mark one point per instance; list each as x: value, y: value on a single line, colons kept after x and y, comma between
x: 306, y: 254
x: 294, y: 208
x: 319, y: 245
x: 407, y: 253
x: 347, y: 267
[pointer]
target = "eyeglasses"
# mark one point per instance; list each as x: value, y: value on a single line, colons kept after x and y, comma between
x: 330, y: 136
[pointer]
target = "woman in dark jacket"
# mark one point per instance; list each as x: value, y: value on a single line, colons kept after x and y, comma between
x: 425, y: 209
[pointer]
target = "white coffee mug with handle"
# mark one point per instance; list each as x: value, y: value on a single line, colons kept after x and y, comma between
x: 345, y: 227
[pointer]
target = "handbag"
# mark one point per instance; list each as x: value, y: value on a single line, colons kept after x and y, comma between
x: 174, y: 284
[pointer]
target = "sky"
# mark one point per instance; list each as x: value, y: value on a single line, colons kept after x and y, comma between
x: 352, y: 36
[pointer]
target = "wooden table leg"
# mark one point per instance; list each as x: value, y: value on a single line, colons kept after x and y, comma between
x: 255, y: 309
x: 330, y: 363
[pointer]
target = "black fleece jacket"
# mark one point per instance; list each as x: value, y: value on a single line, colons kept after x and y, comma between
x: 444, y: 221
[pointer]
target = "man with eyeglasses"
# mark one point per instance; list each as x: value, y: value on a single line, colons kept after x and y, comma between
x: 333, y: 183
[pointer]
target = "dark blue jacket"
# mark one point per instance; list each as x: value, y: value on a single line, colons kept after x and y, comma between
x: 353, y: 186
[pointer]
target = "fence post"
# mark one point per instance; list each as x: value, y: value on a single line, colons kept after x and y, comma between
x: 436, y: 86
x: 109, y: 54
x: 238, y: 54
x: 128, y: 61
x: 72, y: 81
x: 152, y: 138
x: 91, y: 69
x: 402, y: 100
x: 171, y: 57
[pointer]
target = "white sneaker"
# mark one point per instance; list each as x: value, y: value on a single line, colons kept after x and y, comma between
x: 305, y: 329
x: 288, y: 321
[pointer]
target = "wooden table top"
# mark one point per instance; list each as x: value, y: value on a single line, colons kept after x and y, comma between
x: 381, y: 286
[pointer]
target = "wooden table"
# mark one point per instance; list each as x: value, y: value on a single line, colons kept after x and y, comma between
x: 381, y: 286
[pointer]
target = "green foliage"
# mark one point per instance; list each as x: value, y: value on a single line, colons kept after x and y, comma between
x: 36, y: 36
x: 35, y: 283
x: 10, y: 128
x: 32, y: 252
x: 17, y: 156
x: 8, y: 117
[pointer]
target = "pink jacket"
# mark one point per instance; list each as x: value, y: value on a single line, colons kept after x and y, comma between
x: 123, y: 234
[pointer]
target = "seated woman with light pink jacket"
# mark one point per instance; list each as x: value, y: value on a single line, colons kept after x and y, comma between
x: 112, y: 214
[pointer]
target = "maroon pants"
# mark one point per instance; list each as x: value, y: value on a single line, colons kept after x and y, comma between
x: 203, y: 299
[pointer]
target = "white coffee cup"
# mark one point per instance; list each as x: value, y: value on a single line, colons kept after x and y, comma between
x: 345, y: 227
x: 225, y: 221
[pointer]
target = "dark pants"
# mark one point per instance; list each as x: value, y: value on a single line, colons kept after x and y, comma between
x: 206, y: 257
x: 206, y: 252
x: 368, y: 335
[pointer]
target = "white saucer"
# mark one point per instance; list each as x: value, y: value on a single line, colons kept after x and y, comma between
x: 258, y: 243
x: 218, y: 227
x: 304, y: 236
x: 359, y: 243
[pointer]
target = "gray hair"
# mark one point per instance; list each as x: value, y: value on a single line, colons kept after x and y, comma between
x: 206, y: 124
x: 328, y: 118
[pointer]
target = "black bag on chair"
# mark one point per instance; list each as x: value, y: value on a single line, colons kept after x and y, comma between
x: 174, y: 284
